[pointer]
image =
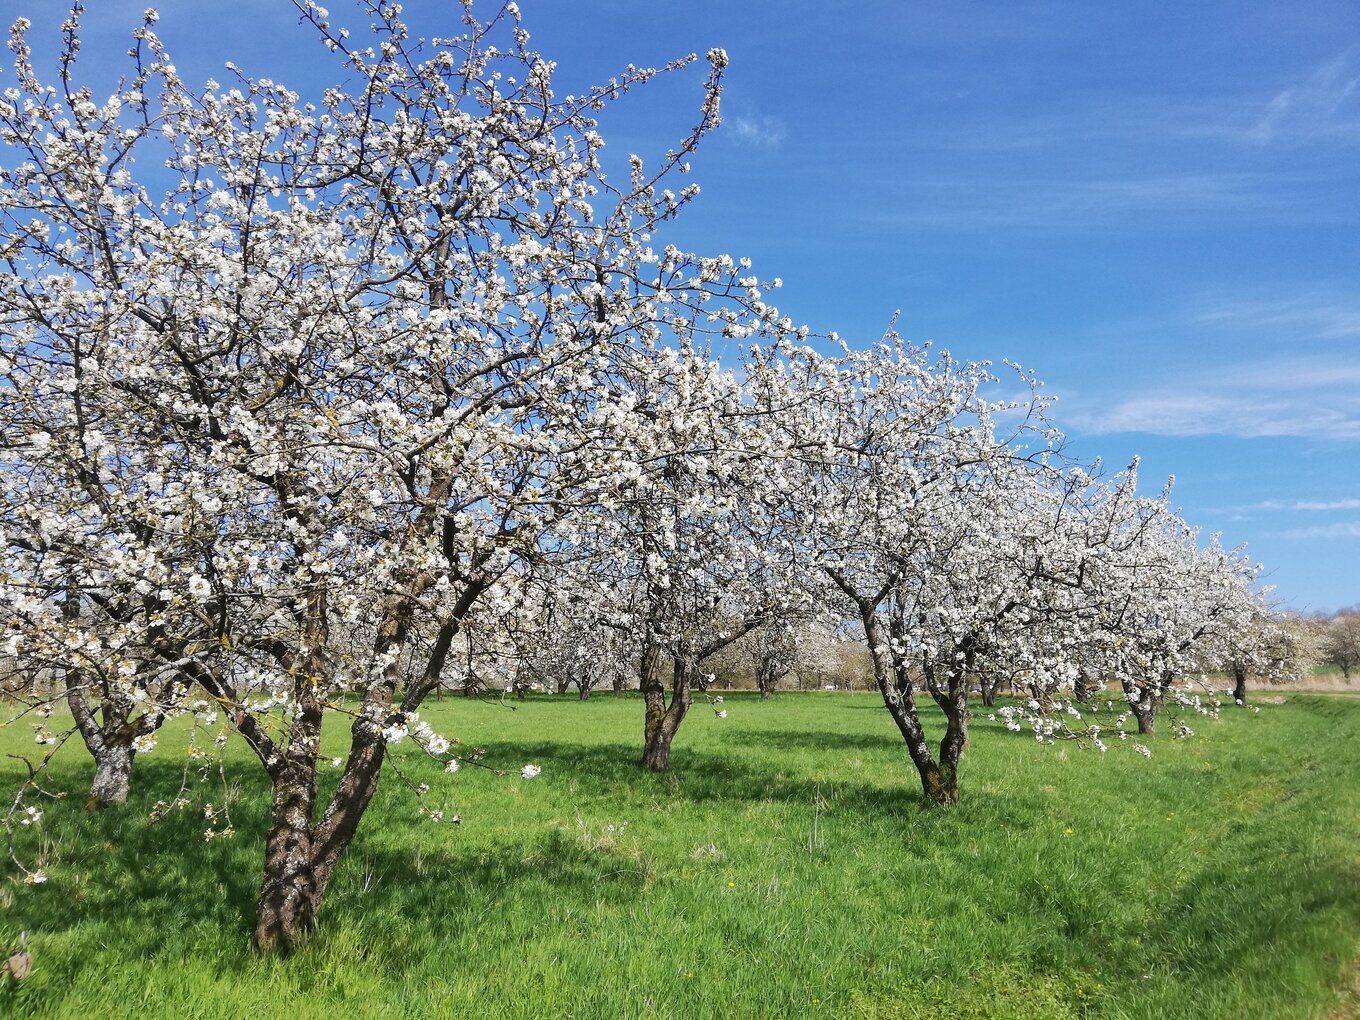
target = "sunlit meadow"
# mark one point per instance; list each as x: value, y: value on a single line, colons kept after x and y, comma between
x: 786, y: 867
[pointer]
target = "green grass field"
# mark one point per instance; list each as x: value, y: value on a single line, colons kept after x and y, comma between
x: 786, y: 868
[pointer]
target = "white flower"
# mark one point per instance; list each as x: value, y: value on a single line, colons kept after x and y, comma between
x: 529, y: 771
x: 722, y: 714
x: 452, y: 765
x: 144, y: 743
x: 36, y: 877
x: 199, y: 587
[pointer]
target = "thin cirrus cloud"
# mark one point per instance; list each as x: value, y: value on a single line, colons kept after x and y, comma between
x: 1312, y: 396
x: 1297, y: 505
x: 1205, y: 160
x: 1301, y: 317
x: 1324, y: 105
x: 1076, y: 204
x: 1208, y: 413
x: 1342, y: 529
x: 762, y: 132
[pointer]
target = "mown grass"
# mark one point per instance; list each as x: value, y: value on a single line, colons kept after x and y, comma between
x: 786, y: 868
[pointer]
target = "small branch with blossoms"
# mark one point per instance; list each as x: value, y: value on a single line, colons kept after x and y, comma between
x: 23, y: 815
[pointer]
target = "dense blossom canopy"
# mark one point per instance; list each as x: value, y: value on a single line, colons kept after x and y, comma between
x: 291, y: 391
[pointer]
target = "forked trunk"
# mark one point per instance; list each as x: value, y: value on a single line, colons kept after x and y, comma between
x: 662, y: 720
x: 108, y: 735
x: 939, y: 782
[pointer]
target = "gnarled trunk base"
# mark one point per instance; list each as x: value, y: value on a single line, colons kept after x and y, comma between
x: 1147, y: 720
x: 112, y: 775
x: 940, y: 785
x: 656, y: 752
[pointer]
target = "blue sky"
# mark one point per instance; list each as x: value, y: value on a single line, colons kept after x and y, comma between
x: 1155, y: 206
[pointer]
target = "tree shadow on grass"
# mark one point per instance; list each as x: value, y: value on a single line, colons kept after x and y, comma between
x: 1230, y: 933
x: 798, y: 740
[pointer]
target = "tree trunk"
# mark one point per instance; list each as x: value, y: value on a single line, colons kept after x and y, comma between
x: 108, y: 736
x: 900, y: 699
x: 112, y: 774
x: 1240, y: 684
x: 289, y: 894
x: 1146, y: 714
x: 989, y: 692
x: 764, y: 681
x: 662, y: 720
x: 939, y: 784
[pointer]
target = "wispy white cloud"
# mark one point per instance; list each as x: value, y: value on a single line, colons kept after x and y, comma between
x: 1147, y: 162
x: 1323, y: 104
x: 1083, y: 202
x: 1301, y: 317
x: 1309, y: 392
x: 1342, y: 529
x: 760, y: 131
x: 1297, y: 505
x: 1207, y: 412
x: 1326, y: 504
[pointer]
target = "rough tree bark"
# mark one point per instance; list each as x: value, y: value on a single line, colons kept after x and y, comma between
x: 989, y: 687
x: 662, y: 719
x: 939, y: 779
x: 1145, y: 711
x: 108, y: 731
x: 301, y: 853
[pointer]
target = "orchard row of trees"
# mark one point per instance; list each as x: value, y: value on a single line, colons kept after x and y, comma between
x: 307, y: 404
